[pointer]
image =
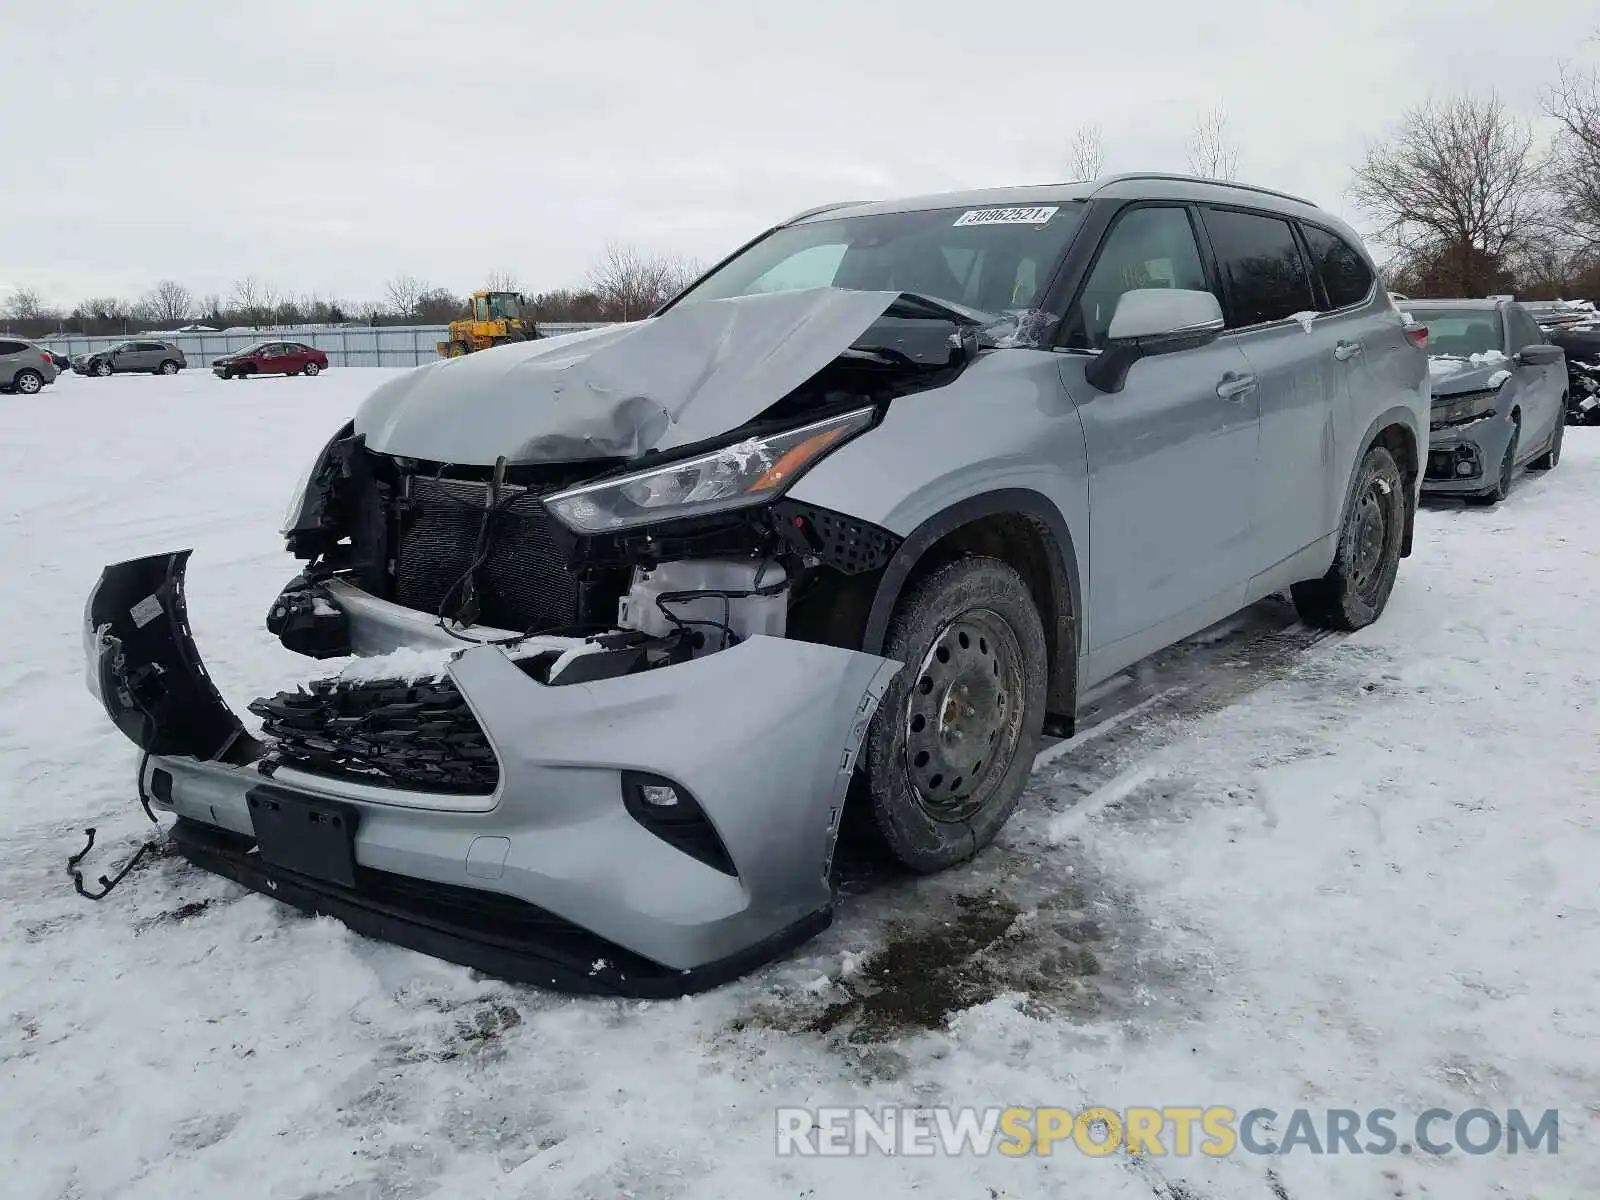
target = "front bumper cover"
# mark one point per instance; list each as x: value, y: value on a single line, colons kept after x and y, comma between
x: 1481, y: 444
x: 552, y: 879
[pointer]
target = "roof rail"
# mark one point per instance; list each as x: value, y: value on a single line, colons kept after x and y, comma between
x: 1107, y: 180
x: 822, y: 208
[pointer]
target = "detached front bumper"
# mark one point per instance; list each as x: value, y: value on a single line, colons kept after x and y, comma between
x: 567, y: 875
x: 1465, y: 459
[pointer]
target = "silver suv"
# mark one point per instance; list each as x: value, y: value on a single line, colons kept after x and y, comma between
x: 860, y: 514
x: 140, y: 355
x: 24, y: 366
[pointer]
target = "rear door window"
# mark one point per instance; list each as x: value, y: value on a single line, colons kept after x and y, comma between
x: 1264, y: 273
x: 1344, y: 274
x: 1151, y: 246
x: 12, y: 347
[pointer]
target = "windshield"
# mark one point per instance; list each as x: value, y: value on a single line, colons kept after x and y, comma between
x: 1461, y: 333
x: 504, y: 306
x: 252, y: 348
x: 994, y: 260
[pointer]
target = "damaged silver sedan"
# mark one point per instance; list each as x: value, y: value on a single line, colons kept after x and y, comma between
x: 635, y: 618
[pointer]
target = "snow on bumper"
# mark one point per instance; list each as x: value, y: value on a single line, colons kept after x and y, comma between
x: 762, y: 737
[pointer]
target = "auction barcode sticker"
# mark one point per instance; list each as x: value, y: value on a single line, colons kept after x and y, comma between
x: 1006, y: 216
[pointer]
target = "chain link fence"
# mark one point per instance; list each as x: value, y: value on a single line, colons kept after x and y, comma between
x: 345, y: 346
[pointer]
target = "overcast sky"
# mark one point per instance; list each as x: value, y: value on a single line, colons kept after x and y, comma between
x: 330, y: 146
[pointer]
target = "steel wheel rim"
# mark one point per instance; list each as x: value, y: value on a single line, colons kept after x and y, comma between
x: 1369, y: 536
x: 963, y: 715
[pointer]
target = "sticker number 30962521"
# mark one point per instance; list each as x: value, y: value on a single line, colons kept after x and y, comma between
x: 1007, y: 216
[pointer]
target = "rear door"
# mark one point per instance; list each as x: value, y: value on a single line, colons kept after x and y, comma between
x: 1541, y: 385
x: 1271, y: 303
x: 1172, y: 460
x: 10, y: 360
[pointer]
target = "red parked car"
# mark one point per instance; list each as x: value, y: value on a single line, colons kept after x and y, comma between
x: 272, y: 358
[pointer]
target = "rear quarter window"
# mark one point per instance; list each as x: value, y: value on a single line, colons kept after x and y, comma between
x: 1344, y: 274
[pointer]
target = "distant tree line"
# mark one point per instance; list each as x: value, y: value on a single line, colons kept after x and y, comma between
x: 626, y: 283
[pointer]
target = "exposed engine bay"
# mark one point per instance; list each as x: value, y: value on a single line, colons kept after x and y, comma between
x: 651, y: 559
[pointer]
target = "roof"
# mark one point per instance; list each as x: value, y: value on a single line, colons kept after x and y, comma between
x: 1138, y: 184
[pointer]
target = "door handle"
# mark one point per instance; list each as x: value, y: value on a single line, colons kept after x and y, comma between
x: 1234, y: 385
x: 1346, y: 350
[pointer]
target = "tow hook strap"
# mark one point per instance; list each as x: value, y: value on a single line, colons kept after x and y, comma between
x: 107, y: 884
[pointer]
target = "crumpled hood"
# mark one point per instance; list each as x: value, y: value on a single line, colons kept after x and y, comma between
x: 693, y: 372
x: 1451, y: 376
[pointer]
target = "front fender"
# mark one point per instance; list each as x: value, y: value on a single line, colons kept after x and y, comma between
x: 142, y: 665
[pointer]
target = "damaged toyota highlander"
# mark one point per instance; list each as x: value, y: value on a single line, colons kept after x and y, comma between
x: 631, y: 617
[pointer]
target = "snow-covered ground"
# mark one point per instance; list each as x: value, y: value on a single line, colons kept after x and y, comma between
x: 1355, y: 874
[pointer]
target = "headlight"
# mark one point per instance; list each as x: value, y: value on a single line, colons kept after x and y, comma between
x: 291, y: 515
x: 750, y: 472
x: 1468, y: 407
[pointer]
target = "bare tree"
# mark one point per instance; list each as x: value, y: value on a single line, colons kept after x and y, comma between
x: 1572, y: 172
x: 1455, y: 192
x: 169, y: 302
x: 1086, y: 154
x: 403, y: 292
x: 436, y: 306
x: 632, y: 283
x: 1211, y: 153
x: 501, y: 281
x: 255, y: 300
x: 26, y: 304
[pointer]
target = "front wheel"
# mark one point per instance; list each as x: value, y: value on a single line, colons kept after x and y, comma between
x: 1356, y: 588
x: 311, y: 368
x: 102, y: 369
x: 1552, y: 454
x: 954, y: 738
x: 1508, y: 470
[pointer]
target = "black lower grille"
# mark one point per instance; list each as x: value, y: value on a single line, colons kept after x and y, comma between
x: 524, y: 584
x: 386, y: 734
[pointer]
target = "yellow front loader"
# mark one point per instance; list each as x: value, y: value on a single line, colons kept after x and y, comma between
x: 496, y: 318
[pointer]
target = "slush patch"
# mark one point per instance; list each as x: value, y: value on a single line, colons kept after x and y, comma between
x: 145, y: 611
x: 1007, y: 216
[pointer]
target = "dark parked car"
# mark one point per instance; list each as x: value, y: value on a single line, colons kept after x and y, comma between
x: 61, y: 361
x: 271, y: 358
x: 155, y: 357
x: 1499, y: 396
x: 1581, y: 343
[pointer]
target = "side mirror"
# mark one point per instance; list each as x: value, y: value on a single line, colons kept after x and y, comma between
x: 1540, y: 354
x: 1150, y: 321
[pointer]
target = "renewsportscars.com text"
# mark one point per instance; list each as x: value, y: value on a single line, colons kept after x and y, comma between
x: 1168, y: 1131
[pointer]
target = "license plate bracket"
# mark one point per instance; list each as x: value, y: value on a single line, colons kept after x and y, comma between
x: 316, y: 838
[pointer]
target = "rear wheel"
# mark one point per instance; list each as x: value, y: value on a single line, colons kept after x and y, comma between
x: 168, y: 367
x: 311, y: 368
x: 28, y: 382
x: 953, y: 740
x: 1552, y: 455
x: 1356, y: 588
